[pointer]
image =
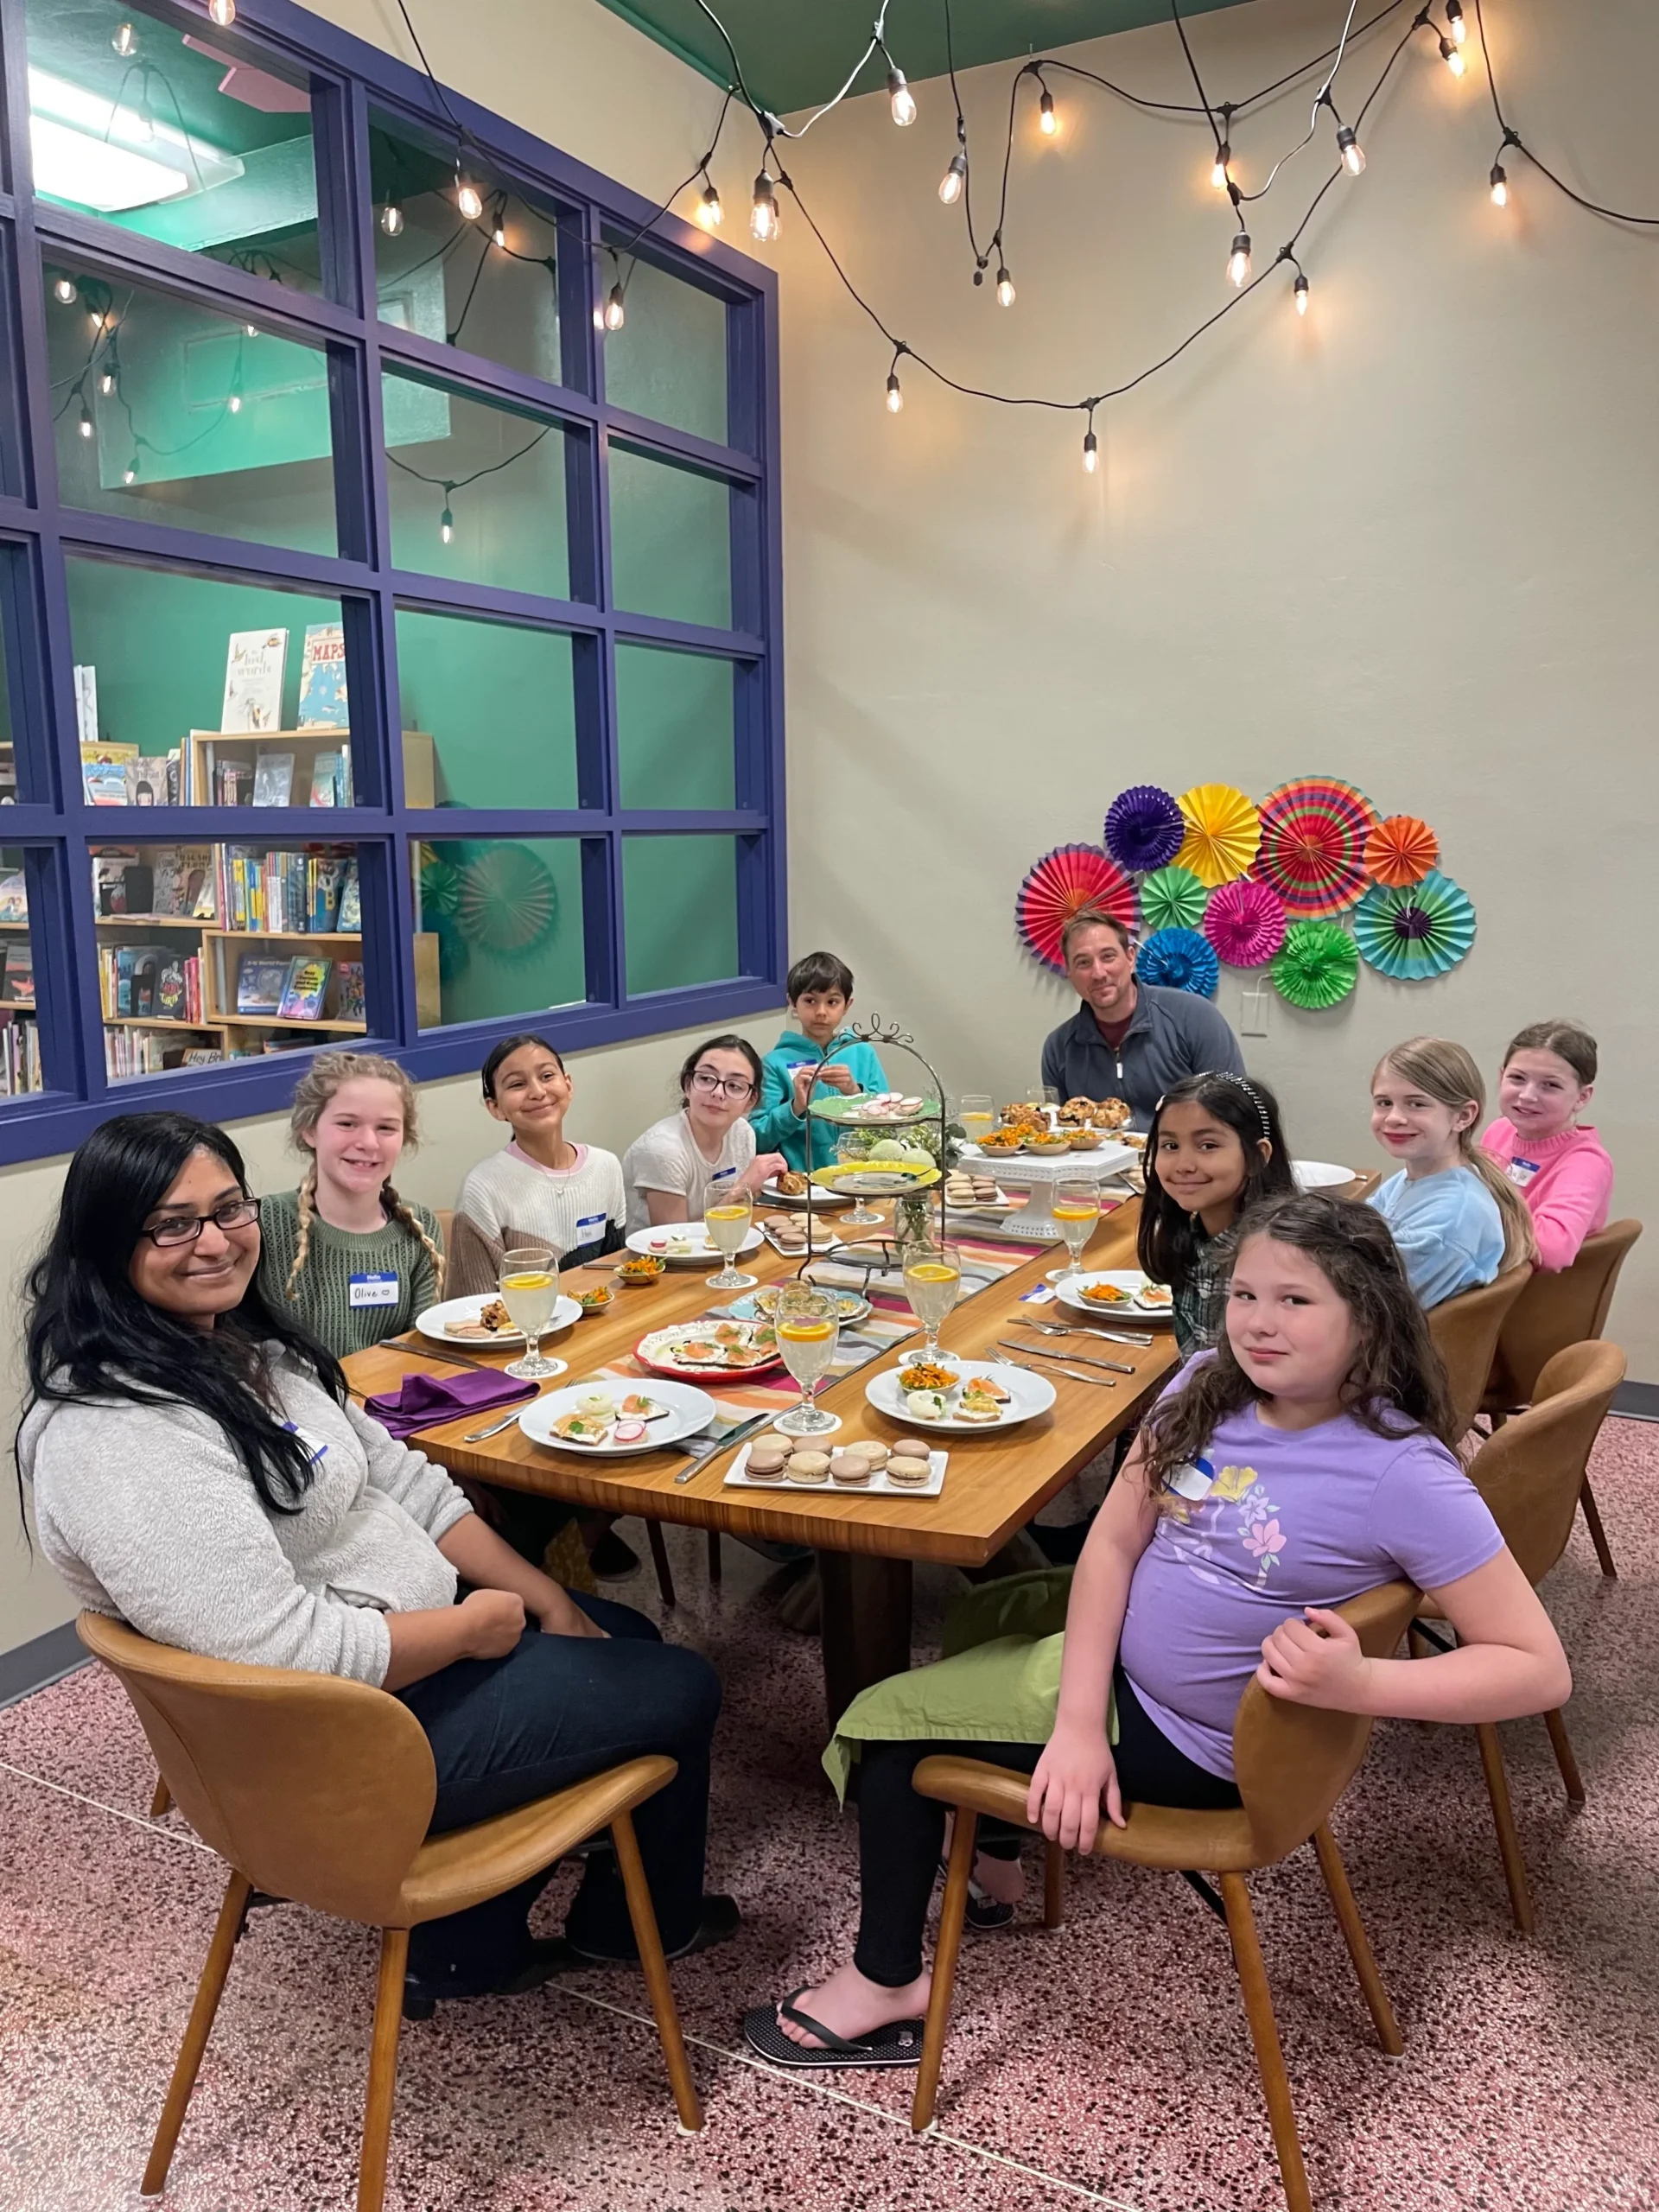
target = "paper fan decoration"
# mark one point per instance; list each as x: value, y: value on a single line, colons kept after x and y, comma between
x: 1415, y: 930
x: 1144, y: 827
x: 1313, y: 851
x: 508, y: 903
x: 1401, y: 850
x: 1173, y: 899
x: 1245, y: 922
x: 1316, y: 965
x: 1061, y: 885
x: 1223, y: 831
x: 1181, y: 960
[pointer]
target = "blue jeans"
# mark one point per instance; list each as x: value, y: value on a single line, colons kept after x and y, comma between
x: 555, y: 1710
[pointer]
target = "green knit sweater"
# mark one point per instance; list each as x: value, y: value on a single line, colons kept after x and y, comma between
x: 322, y: 1296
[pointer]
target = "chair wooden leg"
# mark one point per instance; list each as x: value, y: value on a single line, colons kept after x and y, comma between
x: 1053, y: 1886
x: 1264, y: 2035
x: 209, y: 1989
x: 642, y: 1913
x: 383, y: 2070
x: 1597, y: 1534
x: 1562, y: 1744
x: 162, y: 1802
x: 1353, y: 1934
x: 963, y: 1838
x: 1508, y: 1844
x: 659, y: 1560
x: 714, y: 1555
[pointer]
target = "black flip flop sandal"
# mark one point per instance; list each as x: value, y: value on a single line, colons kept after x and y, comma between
x: 899, y: 2043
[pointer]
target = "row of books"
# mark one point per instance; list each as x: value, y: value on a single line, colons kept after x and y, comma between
x: 149, y: 982
x: 149, y: 1052
x: 17, y: 977
x: 20, y: 1055
x: 253, y: 679
x: 283, y: 891
x: 119, y: 775
x: 294, y: 990
x: 268, y: 781
x: 175, y: 879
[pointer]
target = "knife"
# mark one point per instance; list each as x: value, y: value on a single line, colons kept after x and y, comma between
x: 1081, y: 1358
x: 715, y: 1448
x: 1095, y: 1382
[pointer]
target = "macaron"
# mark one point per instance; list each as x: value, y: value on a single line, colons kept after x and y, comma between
x: 766, y: 1463
x: 908, y: 1474
x: 851, y: 1468
x: 869, y: 1447
x: 911, y: 1447
x: 807, y: 1467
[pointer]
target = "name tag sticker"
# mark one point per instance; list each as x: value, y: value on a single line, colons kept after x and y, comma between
x: 374, y: 1290
x: 589, y: 1226
x: 723, y: 1174
x: 1194, y: 1482
x: 1043, y: 1295
x: 317, y: 1446
x: 1522, y: 1171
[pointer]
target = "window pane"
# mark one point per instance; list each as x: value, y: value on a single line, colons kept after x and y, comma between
x: 441, y: 275
x: 224, y: 952
x: 674, y: 722
x: 670, y: 540
x: 506, y: 917
x: 164, y: 663
x: 20, y: 1034
x: 669, y: 359
x: 679, y: 902
x: 167, y: 413
x: 493, y: 705
x: 8, y: 749
x: 476, y: 492
x: 174, y: 134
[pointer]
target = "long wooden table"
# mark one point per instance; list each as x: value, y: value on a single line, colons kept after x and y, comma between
x: 867, y: 1544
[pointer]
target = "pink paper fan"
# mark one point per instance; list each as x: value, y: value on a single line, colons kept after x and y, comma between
x: 1245, y: 921
x: 1061, y: 885
x: 1313, y: 849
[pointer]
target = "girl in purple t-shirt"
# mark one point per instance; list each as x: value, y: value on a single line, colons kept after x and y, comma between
x: 1304, y: 1461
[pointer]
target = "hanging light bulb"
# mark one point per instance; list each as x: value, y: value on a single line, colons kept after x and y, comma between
x: 446, y: 525
x: 251, y: 328
x: 709, y: 213
x: 763, y: 222
x: 1300, y: 291
x: 1219, y: 174
x: 223, y: 12
x: 1005, y: 295
x: 1238, y: 261
x: 125, y: 41
x: 895, y: 396
x: 234, y: 403
x: 613, y: 309
x: 1347, y: 145
x: 954, y: 182
x: 1047, y: 122
x: 130, y: 474
x: 106, y: 383
x: 1500, y: 184
x: 1091, y: 450
x: 86, y: 420
x: 902, y: 99
x: 1455, y: 23
x: 499, y: 236
x: 1452, y: 57
x: 391, y: 219
x: 64, y: 290
x: 469, y: 198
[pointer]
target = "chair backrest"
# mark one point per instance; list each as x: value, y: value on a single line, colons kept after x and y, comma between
x: 1292, y: 1762
x: 315, y: 1788
x: 446, y: 1223
x: 1567, y: 1306
x: 1465, y: 1331
x: 475, y: 1257
x: 1529, y: 1470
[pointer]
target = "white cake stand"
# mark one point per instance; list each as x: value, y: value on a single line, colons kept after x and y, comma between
x: 1034, y: 1171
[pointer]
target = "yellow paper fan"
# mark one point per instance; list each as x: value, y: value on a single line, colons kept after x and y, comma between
x: 1223, y: 831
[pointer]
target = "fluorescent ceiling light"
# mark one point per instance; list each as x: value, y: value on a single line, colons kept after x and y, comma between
x: 111, y: 156
x: 69, y: 165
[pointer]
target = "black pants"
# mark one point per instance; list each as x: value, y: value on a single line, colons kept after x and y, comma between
x: 901, y: 1833
x: 555, y: 1710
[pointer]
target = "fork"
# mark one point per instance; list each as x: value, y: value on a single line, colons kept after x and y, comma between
x: 1111, y: 1335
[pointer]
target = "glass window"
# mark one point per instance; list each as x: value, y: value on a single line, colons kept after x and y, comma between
x: 679, y: 906
x: 165, y: 412
x: 674, y: 727
x: 668, y: 360
x: 476, y: 492
x: 20, y: 1034
x: 205, y: 693
x: 493, y: 705
x: 8, y: 747
x: 505, y: 916
x: 182, y: 135
x: 670, y: 540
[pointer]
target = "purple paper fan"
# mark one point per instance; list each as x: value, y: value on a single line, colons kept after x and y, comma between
x: 1144, y: 829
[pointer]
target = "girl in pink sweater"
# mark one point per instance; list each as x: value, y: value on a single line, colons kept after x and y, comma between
x: 1549, y: 1072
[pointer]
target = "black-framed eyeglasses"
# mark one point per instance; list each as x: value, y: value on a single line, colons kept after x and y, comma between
x: 185, y: 1228
x: 735, y: 1086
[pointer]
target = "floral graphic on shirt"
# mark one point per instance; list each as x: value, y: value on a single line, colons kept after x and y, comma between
x: 1234, y: 1483
x: 1264, y: 1539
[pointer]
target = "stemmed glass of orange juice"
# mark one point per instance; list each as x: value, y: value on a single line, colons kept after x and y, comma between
x: 726, y: 1217
x: 1076, y: 1206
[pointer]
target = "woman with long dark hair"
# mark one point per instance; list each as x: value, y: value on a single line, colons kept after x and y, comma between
x: 199, y: 1471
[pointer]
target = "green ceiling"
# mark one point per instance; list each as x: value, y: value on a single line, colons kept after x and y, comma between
x: 795, y: 53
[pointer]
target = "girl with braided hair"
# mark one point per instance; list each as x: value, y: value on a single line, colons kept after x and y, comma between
x: 345, y: 1255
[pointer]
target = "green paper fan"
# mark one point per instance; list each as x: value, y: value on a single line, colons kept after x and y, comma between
x: 1173, y: 899
x: 1316, y: 965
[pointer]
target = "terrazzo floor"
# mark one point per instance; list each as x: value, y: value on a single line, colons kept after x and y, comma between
x: 1105, y: 2064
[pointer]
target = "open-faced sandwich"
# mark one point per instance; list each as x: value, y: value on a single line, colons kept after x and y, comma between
x: 1155, y: 1294
x: 582, y: 1428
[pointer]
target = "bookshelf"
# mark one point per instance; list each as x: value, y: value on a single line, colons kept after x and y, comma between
x: 208, y: 751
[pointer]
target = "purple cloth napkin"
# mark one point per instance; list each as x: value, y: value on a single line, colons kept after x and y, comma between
x: 428, y: 1400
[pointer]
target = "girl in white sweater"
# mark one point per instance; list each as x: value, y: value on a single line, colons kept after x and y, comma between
x: 541, y: 1184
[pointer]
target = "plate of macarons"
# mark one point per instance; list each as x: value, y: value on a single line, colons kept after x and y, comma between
x: 962, y: 1395
x: 909, y: 1467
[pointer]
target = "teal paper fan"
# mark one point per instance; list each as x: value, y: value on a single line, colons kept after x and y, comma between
x: 1416, y: 930
x: 1173, y: 899
x: 507, y: 904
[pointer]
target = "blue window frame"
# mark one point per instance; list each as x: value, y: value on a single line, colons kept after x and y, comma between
x: 348, y: 343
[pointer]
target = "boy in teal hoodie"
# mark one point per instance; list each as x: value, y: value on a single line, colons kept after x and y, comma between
x: 819, y: 990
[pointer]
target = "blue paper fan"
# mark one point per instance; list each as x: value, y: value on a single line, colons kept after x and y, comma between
x: 1415, y: 930
x: 1181, y: 960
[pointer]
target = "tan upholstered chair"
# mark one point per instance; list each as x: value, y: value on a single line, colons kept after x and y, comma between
x: 321, y: 1790
x: 1292, y: 1763
x: 1567, y: 1306
x: 1530, y: 1472
x: 1465, y: 1331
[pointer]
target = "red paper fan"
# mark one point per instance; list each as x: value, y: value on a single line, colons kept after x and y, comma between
x: 1402, y: 851
x: 1061, y: 885
x: 1312, y: 848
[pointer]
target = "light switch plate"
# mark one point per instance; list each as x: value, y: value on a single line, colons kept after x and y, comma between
x: 1254, y: 1019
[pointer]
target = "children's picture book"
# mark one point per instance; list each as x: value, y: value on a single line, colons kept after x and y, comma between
x: 350, y: 1004
x: 253, y: 680
x: 273, y: 778
x: 348, y: 918
x: 147, y: 781
x: 331, y: 779
x: 234, y: 779
x: 260, y: 985
x: 14, y: 897
x: 18, y: 988
x: 302, y: 994
x: 103, y: 772
x: 200, y: 1056
x: 171, y: 998
x: 322, y: 677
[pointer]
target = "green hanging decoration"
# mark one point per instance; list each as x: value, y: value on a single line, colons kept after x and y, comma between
x: 1173, y: 899
x: 1316, y: 966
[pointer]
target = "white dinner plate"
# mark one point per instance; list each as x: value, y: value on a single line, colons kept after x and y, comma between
x: 774, y: 1197
x: 688, y: 1410
x: 1028, y: 1396
x: 1126, y: 1279
x: 1319, y: 1174
x: 653, y: 1244
x: 437, y: 1320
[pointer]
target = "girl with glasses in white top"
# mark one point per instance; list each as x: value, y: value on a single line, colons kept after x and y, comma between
x: 709, y: 1143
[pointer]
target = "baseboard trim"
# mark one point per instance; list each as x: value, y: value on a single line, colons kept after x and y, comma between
x: 42, y: 1660
x: 1637, y: 1401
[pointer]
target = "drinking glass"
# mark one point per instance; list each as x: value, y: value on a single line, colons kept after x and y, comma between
x: 850, y: 1152
x: 529, y: 1283
x: 977, y: 1115
x: 808, y: 1322
x: 932, y: 1284
x: 726, y: 1217
x: 1076, y: 1207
